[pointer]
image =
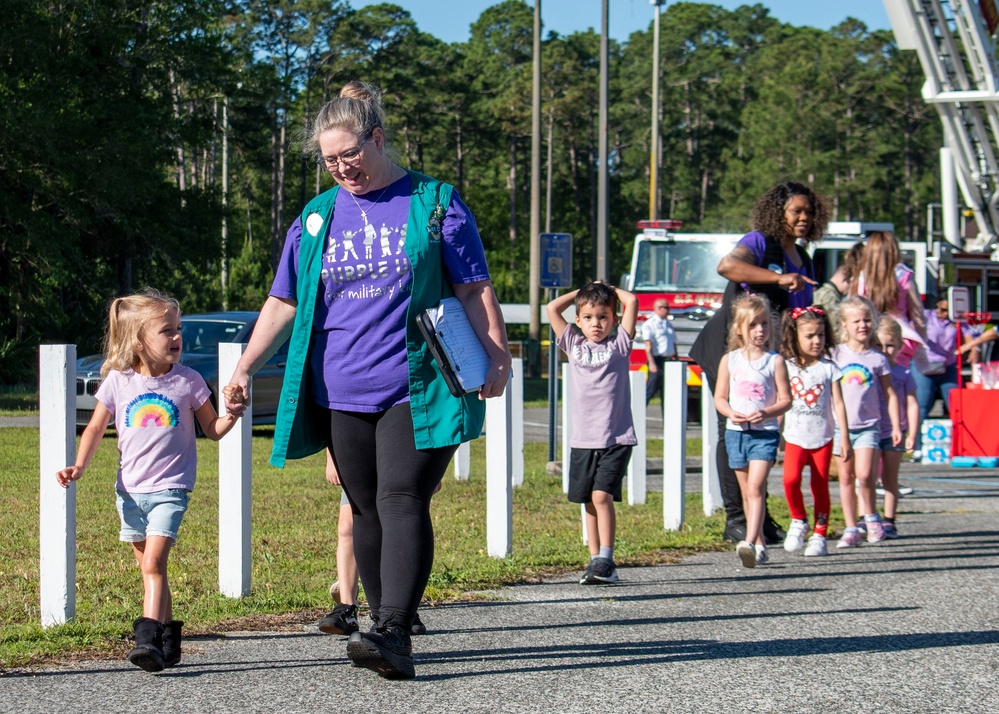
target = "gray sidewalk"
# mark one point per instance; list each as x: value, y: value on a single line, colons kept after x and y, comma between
x: 909, y: 625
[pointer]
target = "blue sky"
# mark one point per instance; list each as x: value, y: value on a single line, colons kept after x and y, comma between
x: 452, y: 23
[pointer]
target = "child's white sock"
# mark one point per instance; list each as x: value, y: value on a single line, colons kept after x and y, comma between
x: 606, y: 551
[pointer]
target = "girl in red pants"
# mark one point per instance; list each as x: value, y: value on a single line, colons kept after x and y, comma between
x: 816, y: 398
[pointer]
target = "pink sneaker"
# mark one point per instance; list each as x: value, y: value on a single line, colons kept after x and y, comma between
x: 851, y: 538
x: 875, y: 532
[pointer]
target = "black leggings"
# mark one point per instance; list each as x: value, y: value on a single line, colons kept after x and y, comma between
x: 389, y: 484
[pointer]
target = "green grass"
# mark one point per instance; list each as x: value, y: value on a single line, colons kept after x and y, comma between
x: 18, y: 400
x: 293, y: 547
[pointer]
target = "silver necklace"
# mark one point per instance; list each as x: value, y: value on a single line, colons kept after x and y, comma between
x: 364, y: 214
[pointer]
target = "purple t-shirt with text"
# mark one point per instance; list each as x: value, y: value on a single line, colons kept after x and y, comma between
x: 861, y: 395
x: 358, y: 357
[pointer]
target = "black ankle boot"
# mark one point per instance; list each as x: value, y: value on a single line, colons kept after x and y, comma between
x: 171, y: 642
x: 148, y: 650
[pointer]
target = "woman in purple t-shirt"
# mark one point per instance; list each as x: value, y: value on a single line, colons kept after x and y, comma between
x: 390, y: 427
x: 768, y: 261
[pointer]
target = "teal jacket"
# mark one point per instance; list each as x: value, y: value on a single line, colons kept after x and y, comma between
x: 439, y: 419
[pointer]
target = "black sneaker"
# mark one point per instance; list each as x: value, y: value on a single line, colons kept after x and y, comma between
x: 735, y: 531
x: 418, y: 628
x: 386, y: 651
x: 342, y: 621
x: 773, y: 533
x: 587, y: 577
x: 602, y: 570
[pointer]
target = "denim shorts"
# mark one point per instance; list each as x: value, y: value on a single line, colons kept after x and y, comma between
x: 151, y: 514
x: 752, y: 445
x: 866, y: 438
x: 886, y: 445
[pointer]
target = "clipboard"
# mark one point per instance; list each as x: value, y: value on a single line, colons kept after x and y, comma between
x: 455, y: 347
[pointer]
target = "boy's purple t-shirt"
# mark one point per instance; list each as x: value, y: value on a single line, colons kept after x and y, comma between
x: 154, y: 418
x: 756, y: 243
x: 904, y: 384
x: 861, y: 395
x: 599, y: 389
x: 358, y: 357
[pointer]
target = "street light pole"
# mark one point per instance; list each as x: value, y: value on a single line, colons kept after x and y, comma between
x: 535, y: 252
x: 654, y: 139
x: 602, y: 269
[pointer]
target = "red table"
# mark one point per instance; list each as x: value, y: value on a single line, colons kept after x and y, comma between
x: 975, y: 416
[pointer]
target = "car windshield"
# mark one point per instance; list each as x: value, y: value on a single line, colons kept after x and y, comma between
x: 203, y: 336
x: 666, y: 266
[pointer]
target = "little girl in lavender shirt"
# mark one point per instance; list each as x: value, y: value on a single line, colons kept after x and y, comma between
x: 863, y: 369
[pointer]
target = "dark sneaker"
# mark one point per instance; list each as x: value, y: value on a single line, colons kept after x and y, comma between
x: 602, y: 570
x: 342, y: 621
x: 418, y: 628
x: 587, y: 577
x: 773, y: 534
x: 386, y: 651
x: 735, y: 531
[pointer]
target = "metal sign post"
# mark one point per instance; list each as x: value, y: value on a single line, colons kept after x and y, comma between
x: 556, y: 272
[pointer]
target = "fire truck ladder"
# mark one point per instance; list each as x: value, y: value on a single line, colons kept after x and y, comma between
x: 955, y: 49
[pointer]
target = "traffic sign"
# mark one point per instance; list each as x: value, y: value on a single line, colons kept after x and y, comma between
x: 556, y: 260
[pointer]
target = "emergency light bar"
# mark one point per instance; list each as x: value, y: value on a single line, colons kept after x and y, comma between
x: 668, y: 224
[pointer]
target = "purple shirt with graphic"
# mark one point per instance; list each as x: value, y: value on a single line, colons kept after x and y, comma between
x: 861, y: 373
x: 904, y: 384
x: 358, y: 357
x: 756, y: 243
x: 154, y: 418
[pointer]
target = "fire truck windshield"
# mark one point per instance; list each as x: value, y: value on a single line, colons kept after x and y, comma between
x: 677, y: 267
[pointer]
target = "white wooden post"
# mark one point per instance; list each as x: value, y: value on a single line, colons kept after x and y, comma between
x: 57, y: 505
x: 566, y: 427
x: 674, y: 444
x: 566, y: 449
x: 499, y: 465
x: 463, y: 461
x: 235, y: 482
x: 516, y: 388
x: 637, y: 467
x: 710, y: 486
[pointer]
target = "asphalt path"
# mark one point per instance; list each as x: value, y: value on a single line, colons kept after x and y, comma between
x: 908, y: 625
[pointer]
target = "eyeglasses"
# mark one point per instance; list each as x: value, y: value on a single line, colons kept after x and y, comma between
x: 349, y: 158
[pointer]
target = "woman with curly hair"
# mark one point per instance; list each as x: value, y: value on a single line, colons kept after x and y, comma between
x: 771, y: 262
x: 785, y: 214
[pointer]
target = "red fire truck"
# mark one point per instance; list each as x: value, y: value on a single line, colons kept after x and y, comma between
x: 682, y: 268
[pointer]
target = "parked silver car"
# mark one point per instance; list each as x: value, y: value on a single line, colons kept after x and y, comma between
x: 202, y: 335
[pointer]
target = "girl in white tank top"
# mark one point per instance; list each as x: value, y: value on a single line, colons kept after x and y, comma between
x: 752, y: 392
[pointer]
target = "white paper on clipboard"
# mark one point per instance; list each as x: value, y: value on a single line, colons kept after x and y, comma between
x: 466, y: 354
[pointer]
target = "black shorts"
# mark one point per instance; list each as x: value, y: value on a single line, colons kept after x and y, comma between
x: 597, y: 470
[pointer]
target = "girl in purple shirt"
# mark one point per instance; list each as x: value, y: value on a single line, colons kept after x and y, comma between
x: 863, y: 369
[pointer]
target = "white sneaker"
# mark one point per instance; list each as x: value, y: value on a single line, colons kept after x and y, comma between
x: 746, y: 553
x: 816, y: 546
x: 762, y: 557
x: 796, y: 533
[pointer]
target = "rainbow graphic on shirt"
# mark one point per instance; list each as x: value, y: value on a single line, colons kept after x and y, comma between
x: 857, y: 374
x: 151, y: 409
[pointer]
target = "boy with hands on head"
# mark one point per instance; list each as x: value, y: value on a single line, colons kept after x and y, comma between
x: 600, y: 399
